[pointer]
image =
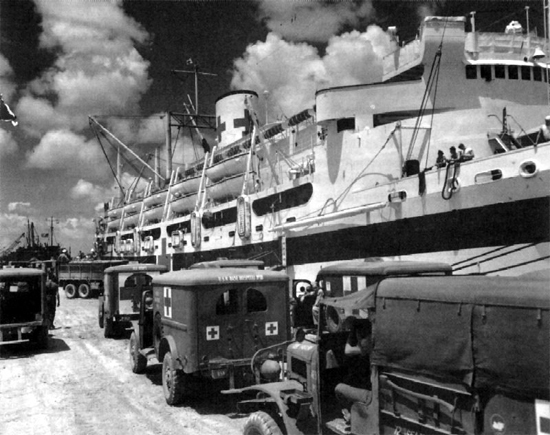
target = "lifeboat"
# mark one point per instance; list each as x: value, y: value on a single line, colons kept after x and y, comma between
x: 184, y: 204
x: 155, y: 199
x: 115, y: 213
x: 227, y: 168
x: 132, y: 208
x: 131, y: 221
x: 186, y: 186
x: 153, y: 214
x: 228, y: 188
x: 113, y: 226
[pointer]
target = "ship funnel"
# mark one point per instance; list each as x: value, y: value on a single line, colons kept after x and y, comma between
x: 233, y: 120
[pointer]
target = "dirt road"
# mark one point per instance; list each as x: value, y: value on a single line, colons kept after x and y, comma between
x: 83, y: 385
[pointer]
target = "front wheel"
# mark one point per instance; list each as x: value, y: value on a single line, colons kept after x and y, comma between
x: 84, y: 291
x: 137, y: 360
x: 172, y: 380
x: 261, y: 423
x: 70, y: 291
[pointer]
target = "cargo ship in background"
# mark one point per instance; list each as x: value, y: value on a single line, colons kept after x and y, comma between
x: 354, y: 177
x: 27, y: 248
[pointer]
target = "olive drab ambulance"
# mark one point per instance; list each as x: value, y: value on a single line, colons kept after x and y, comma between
x: 123, y: 287
x: 208, y: 323
x: 23, y: 308
x: 450, y: 355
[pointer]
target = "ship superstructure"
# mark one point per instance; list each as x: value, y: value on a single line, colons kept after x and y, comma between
x: 355, y: 176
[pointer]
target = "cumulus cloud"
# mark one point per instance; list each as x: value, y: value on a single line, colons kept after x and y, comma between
x: 18, y: 206
x: 292, y: 72
x: 66, y: 151
x: 314, y: 21
x: 89, y: 191
x: 139, y: 131
x: 8, y: 145
x: 7, y: 86
x: 97, y: 69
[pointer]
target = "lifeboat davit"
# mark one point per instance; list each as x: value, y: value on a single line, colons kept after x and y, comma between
x: 155, y: 199
x: 228, y: 188
x: 184, y: 204
x: 228, y: 167
x: 186, y: 186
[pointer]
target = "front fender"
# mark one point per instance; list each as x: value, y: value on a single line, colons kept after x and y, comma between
x: 168, y: 344
x: 287, y: 398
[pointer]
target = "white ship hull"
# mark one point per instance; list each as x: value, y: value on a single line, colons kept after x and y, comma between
x: 358, y: 180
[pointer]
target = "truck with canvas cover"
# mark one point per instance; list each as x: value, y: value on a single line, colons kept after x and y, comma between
x: 23, y: 308
x: 82, y: 278
x: 208, y: 323
x: 450, y: 355
x: 123, y: 289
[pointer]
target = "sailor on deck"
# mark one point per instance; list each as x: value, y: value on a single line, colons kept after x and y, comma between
x: 544, y: 131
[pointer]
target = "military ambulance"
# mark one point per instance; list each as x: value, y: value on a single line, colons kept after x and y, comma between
x: 123, y: 288
x: 207, y: 323
x: 450, y: 355
x: 23, y: 308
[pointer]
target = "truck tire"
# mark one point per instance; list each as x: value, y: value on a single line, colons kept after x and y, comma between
x: 84, y: 291
x: 70, y: 291
x: 108, y: 331
x: 261, y: 423
x: 173, y: 381
x: 101, y: 312
x: 137, y: 360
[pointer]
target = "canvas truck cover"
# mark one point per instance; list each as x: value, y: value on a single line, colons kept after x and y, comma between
x: 385, y: 268
x: 486, y: 332
x: 20, y: 272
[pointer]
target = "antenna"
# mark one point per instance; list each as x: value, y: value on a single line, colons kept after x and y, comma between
x: 196, y: 73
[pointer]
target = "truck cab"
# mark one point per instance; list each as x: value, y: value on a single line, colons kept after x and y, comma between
x: 207, y: 323
x: 23, y: 309
x: 451, y: 354
x: 124, y: 286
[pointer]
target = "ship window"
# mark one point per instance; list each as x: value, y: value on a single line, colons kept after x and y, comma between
x: 471, y: 72
x: 526, y: 73
x: 345, y: 124
x: 537, y: 73
x: 227, y: 303
x: 183, y: 226
x: 500, y: 72
x: 293, y: 197
x: 485, y: 72
x: 154, y: 233
x: 513, y: 73
x: 219, y: 218
x: 255, y: 301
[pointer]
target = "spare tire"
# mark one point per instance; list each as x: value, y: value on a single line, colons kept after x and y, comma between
x: 334, y: 322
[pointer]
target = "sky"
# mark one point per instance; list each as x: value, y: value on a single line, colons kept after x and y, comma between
x: 62, y: 61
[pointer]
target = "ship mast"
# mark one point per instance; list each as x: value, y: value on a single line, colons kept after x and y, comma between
x: 191, y: 119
